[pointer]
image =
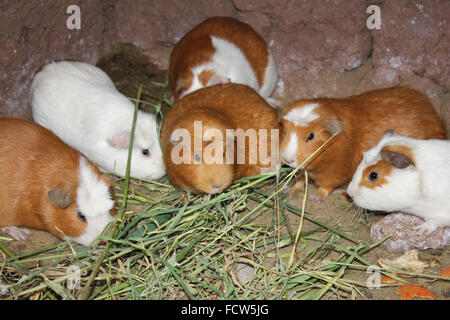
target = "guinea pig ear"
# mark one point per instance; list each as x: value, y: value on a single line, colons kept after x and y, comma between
x: 333, y: 126
x: 397, y: 159
x: 120, y: 141
x: 60, y: 197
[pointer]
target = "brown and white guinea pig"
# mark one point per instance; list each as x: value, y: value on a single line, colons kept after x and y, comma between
x: 217, y: 134
x: 359, y: 122
x: 47, y: 185
x: 221, y: 50
x: 406, y: 174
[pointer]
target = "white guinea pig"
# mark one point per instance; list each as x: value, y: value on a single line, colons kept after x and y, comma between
x: 408, y: 175
x: 81, y: 105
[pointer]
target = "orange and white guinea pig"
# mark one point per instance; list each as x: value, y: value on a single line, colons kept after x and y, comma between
x: 408, y: 175
x: 221, y: 50
x: 217, y: 134
x: 359, y: 122
x: 47, y: 185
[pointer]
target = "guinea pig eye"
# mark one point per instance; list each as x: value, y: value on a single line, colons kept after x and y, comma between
x: 146, y: 152
x: 310, y: 137
x: 373, y: 176
x: 81, y: 216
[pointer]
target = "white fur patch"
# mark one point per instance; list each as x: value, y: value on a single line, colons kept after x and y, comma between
x: 289, y: 155
x: 302, y: 116
x: 94, y: 202
x: 229, y: 62
x: 270, y: 78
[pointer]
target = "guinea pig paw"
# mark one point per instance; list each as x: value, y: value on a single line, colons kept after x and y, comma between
x: 315, y: 197
x: 295, y: 189
x: 319, y: 195
x: 16, y: 233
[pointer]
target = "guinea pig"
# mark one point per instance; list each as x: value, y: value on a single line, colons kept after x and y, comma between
x: 81, y: 105
x: 50, y: 186
x: 358, y: 122
x: 221, y: 50
x: 405, y: 174
x: 217, y: 134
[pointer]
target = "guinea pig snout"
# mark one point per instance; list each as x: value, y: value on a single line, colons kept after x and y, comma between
x: 353, y: 192
x: 217, y: 185
x: 288, y: 159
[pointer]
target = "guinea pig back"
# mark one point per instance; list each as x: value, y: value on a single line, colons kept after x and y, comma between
x: 49, y: 186
x: 220, y: 50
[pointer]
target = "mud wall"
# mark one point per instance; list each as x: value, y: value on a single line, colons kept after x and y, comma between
x: 321, y: 47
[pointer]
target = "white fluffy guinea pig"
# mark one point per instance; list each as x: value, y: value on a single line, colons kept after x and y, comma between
x: 81, y: 105
x: 47, y: 185
x: 408, y: 175
x: 221, y: 50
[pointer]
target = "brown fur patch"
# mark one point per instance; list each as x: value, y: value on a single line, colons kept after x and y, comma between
x: 183, y: 84
x: 382, y: 168
x: 205, y: 76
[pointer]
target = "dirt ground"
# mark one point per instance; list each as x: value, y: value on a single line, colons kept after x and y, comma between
x: 337, y: 211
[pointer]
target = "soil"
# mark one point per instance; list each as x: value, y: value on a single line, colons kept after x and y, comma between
x: 337, y: 211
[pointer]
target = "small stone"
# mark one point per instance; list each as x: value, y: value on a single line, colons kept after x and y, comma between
x: 405, y: 236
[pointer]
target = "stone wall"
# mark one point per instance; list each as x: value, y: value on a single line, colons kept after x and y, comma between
x: 321, y: 47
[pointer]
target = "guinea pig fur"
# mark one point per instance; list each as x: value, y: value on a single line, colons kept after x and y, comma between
x: 49, y: 186
x: 359, y: 122
x: 81, y: 105
x: 221, y: 50
x: 405, y: 174
x: 223, y: 109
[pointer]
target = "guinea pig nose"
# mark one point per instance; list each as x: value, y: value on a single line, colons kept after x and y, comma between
x: 287, y: 160
x: 217, y: 186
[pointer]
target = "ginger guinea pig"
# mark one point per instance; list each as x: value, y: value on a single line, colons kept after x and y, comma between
x: 47, y: 185
x: 405, y: 174
x: 359, y: 122
x: 221, y: 50
x: 217, y: 134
